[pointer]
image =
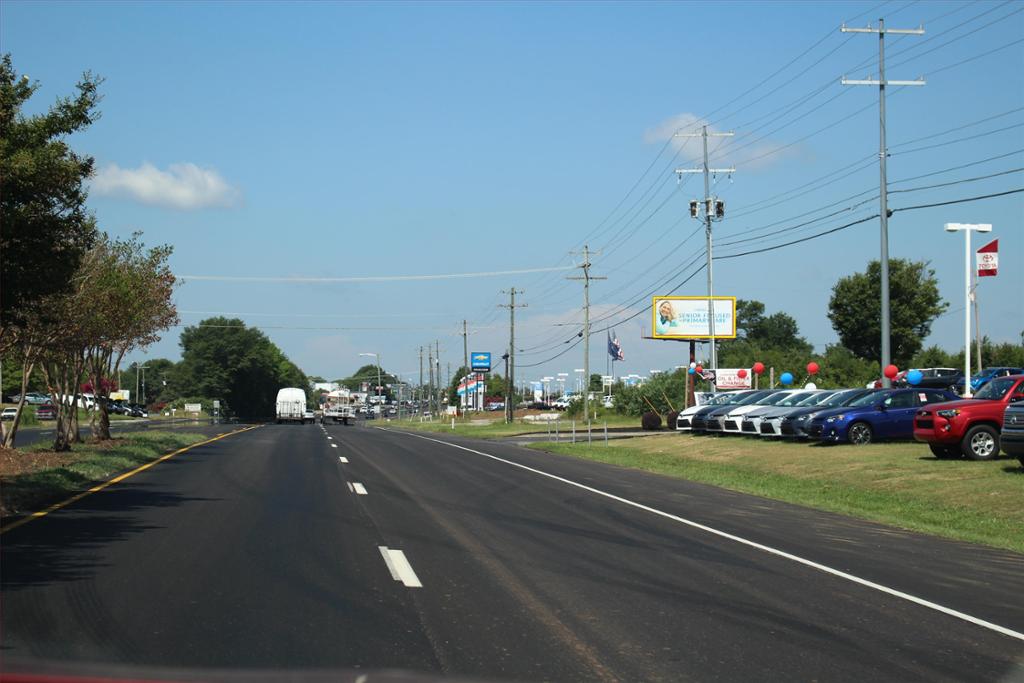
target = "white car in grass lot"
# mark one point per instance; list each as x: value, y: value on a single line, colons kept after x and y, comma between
x: 732, y: 422
x: 703, y: 399
x: 758, y: 421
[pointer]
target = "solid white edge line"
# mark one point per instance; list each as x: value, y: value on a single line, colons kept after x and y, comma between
x: 399, y: 567
x: 343, y: 458
x: 359, y: 489
x: 753, y: 544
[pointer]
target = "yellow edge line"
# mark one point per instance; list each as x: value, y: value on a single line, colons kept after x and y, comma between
x: 118, y: 478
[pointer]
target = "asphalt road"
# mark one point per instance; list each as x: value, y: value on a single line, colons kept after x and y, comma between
x: 267, y: 550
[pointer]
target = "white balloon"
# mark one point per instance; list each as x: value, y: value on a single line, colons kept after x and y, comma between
x: 810, y: 385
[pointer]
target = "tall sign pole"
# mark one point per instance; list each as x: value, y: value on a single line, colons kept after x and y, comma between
x: 586, y: 278
x: 967, y: 229
x: 883, y: 193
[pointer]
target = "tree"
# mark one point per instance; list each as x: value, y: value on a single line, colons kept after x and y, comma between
x: 779, y: 331
x: 223, y: 358
x: 855, y: 309
x: 749, y: 315
x: 126, y: 299
x: 453, y: 387
x: 157, y: 373
x: 46, y: 227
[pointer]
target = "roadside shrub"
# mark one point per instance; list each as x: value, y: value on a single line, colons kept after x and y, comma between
x: 670, y: 419
x: 650, y: 421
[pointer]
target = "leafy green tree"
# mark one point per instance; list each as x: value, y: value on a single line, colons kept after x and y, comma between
x: 46, y: 227
x: 855, y: 309
x: 223, y: 358
x: 749, y: 315
x: 934, y: 357
x: 496, y: 385
x: 780, y: 331
x: 595, y: 383
x: 841, y: 369
x: 158, y: 375
x: 453, y: 387
x: 368, y: 374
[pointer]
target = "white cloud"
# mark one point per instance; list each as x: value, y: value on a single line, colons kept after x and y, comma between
x: 182, y: 186
x: 743, y: 147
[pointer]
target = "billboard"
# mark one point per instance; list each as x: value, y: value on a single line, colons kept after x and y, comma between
x: 480, y: 361
x: 686, y: 317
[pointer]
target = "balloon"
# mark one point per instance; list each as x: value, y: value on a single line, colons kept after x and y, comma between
x: 741, y: 373
x: 812, y: 368
x: 698, y: 369
x: 810, y: 386
x: 693, y: 365
x: 690, y: 370
x: 759, y: 367
x: 891, y: 371
x: 914, y: 377
x: 786, y: 378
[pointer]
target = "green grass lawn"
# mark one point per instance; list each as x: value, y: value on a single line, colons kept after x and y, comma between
x: 498, y: 429
x: 41, y: 481
x: 895, y: 483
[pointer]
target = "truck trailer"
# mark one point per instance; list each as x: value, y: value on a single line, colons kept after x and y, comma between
x: 291, y: 405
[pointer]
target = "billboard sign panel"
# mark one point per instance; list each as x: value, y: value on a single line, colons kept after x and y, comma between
x: 728, y: 378
x: 686, y: 317
x: 193, y: 407
x: 480, y: 361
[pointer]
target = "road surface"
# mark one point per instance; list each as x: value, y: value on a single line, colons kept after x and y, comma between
x: 310, y: 547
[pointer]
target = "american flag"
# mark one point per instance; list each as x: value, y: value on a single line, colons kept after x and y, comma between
x: 615, y: 348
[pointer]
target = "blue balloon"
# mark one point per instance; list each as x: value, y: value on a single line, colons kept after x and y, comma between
x: 786, y: 378
x: 914, y: 377
x: 690, y: 370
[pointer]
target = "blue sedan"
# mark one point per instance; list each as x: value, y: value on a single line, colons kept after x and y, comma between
x: 878, y: 415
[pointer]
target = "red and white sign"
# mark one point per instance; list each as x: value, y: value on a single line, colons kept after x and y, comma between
x: 988, y: 259
x: 729, y: 378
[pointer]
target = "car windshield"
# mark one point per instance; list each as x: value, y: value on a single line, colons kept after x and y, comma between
x: 996, y: 389
x: 754, y: 397
x: 817, y: 399
x: 870, y: 399
x: 794, y: 399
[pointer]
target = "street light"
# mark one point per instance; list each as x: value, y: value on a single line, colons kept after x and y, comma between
x: 967, y: 229
x: 377, y: 356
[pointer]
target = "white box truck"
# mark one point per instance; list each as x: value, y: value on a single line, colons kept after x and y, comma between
x: 338, y: 406
x: 291, y: 405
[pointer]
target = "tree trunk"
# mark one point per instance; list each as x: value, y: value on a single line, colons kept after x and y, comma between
x: 8, y: 438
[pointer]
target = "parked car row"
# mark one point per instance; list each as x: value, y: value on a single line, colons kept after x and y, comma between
x: 953, y: 427
x: 950, y: 378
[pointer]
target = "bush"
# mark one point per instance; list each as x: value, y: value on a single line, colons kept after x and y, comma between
x: 650, y: 421
x: 670, y: 419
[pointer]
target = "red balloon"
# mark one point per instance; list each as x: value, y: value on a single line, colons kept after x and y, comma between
x: 698, y: 369
x: 741, y: 373
x: 891, y: 371
x: 812, y: 368
x: 759, y: 367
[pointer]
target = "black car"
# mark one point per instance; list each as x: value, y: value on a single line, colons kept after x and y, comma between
x: 936, y: 378
x: 794, y: 425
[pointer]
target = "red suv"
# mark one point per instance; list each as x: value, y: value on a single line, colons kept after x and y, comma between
x: 969, y: 427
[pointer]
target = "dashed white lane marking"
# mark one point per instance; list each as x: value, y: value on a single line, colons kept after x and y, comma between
x: 349, y: 486
x: 752, y: 544
x: 343, y: 459
x: 331, y: 438
x: 359, y: 488
x: 399, y: 567
x: 334, y: 445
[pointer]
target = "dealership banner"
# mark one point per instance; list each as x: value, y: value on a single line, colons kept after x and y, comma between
x: 988, y: 259
x: 686, y: 317
x: 728, y: 378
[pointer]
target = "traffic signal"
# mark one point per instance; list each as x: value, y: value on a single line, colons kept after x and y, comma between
x: 693, y: 208
x: 719, y: 208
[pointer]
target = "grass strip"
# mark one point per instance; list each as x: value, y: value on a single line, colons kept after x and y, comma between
x: 87, y: 464
x: 899, y: 484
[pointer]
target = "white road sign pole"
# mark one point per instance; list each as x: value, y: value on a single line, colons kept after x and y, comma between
x: 967, y: 228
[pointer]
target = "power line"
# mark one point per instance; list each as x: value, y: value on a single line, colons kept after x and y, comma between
x: 369, y: 278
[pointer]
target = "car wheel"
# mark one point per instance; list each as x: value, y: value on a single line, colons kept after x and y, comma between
x: 944, y: 452
x: 980, y: 443
x: 859, y: 434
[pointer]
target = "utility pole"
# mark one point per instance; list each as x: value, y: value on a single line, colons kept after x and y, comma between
x: 510, y: 407
x: 419, y: 389
x: 437, y: 373
x: 714, y: 209
x: 883, y: 152
x: 586, y: 278
x: 465, y: 364
x: 430, y: 373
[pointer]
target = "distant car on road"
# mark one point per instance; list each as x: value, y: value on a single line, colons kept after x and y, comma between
x: 46, y: 412
x: 309, y: 417
x: 886, y: 414
x: 970, y: 426
x: 8, y: 413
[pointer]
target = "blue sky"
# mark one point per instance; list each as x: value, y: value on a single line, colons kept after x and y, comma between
x: 329, y: 140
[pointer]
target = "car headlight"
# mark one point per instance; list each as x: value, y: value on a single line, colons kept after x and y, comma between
x: 948, y: 414
x: 834, y: 418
